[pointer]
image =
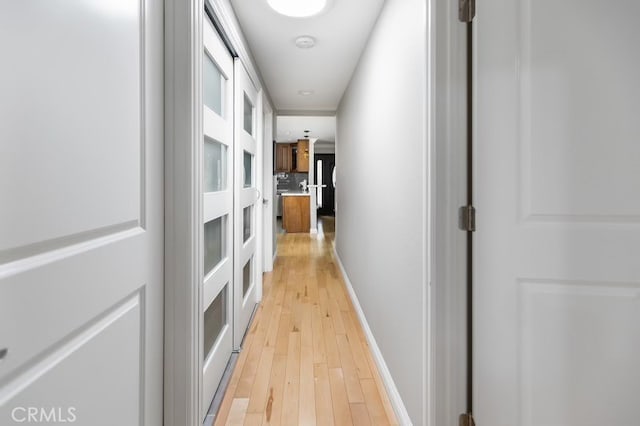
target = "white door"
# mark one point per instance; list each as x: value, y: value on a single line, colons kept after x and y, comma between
x: 247, y: 275
x: 557, y: 185
x: 217, y: 184
x: 81, y: 216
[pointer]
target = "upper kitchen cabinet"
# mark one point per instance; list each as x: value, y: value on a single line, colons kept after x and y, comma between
x: 292, y: 157
x: 283, y: 157
x: 303, y: 156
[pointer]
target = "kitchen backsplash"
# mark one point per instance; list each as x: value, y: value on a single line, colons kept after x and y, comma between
x: 291, y: 181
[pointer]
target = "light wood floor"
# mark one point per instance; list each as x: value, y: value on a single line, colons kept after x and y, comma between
x: 305, y: 359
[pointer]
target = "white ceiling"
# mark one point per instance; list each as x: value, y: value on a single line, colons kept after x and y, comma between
x: 291, y: 128
x: 341, y: 32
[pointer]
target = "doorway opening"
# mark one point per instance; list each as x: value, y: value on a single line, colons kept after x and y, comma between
x: 324, y: 171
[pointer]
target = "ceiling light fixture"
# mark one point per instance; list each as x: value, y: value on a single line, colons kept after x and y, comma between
x: 305, y: 92
x: 298, y: 8
x: 305, y: 42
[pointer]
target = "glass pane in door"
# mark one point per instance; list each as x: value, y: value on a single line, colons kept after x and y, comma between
x: 246, y: 227
x: 215, y: 166
x: 248, y: 170
x: 213, y: 85
x: 215, y: 318
x: 214, y: 243
x: 246, y: 276
x: 248, y: 115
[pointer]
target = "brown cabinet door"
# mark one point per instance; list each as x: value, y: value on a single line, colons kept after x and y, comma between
x: 303, y: 156
x: 283, y: 157
x: 295, y: 214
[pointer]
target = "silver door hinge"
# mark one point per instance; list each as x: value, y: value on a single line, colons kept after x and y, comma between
x: 466, y: 10
x: 467, y: 218
x: 466, y: 419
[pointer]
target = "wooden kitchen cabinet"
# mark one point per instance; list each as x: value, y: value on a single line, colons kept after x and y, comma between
x: 296, y: 216
x: 285, y: 153
x: 303, y: 156
x: 283, y: 157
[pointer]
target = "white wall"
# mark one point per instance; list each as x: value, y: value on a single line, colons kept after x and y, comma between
x: 324, y: 148
x: 381, y: 154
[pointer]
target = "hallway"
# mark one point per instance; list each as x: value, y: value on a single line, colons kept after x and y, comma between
x: 305, y: 359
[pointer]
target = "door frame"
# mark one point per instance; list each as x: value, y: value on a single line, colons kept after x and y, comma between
x: 183, y: 195
x: 447, y: 131
x: 446, y: 112
x: 326, y: 179
x: 268, y: 193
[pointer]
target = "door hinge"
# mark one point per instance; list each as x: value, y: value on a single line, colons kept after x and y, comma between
x: 466, y: 10
x: 466, y: 419
x: 467, y: 218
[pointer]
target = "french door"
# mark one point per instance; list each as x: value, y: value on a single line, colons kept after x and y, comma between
x: 557, y: 186
x: 218, y: 218
x: 247, y: 275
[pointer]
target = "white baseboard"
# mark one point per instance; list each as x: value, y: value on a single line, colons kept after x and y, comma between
x: 392, y: 391
x: 313, y: 231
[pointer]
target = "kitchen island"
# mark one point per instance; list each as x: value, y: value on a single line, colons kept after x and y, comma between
x: 296, y: 216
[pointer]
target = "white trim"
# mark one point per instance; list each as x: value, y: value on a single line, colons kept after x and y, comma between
x: 392, y: 391
x: 183, y: 49
x: 447, y: 115
x: 313, y: 231
x: 267, y: 186
x: 428, y: 176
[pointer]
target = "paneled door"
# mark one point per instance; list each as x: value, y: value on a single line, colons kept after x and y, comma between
x: 81, y: 216
x: 557, y: 186
x: 247, y: 197
x: 218, y: 218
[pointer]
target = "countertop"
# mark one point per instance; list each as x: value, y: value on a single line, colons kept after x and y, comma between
x: 295, y: 194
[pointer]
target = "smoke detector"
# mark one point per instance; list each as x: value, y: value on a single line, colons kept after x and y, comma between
x: 305, y: 42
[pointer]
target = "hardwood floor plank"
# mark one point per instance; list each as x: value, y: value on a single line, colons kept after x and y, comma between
x: 307, y: 411
x: 339, y: 400
x: 284, y: 328
x: 319, y: 351
x: 350, y: 373
x: 253, y: 419
x: 333, y: 356
x: 339, y: 294
x: 238, y: 412
x: 324, y: 406
x: 357, y: 346
x: 360, y: 414
x: 290, y: 408
x: 260, y: 390
x: 250, y: 366
x: 336, y: 316
x: 273, y: 410
x: 374, y: 402
x: 271, y: 336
